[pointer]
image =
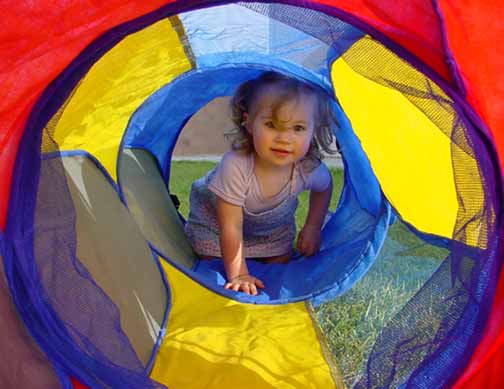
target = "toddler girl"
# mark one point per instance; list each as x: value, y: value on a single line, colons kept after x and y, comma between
x: 245, y: 207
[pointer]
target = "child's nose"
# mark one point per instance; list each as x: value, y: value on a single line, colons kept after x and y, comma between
x: 284, y: 136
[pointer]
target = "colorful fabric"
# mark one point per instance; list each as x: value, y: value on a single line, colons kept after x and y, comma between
x: 48, y: 49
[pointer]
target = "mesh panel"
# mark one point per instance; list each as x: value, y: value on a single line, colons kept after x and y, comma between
x: 75, y: 321
x: 476, y: 213
x: 353, y: 323
x: 333, y: 32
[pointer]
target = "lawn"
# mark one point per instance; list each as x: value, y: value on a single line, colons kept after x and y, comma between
x: 353, y: 321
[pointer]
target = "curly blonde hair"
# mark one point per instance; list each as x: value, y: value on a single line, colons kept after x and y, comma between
x: 246, y: 95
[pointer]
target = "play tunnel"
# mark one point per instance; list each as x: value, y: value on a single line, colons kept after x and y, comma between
x: 95, y: 256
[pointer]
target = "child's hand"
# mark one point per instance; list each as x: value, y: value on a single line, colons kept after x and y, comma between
x: 308, y: 242
x: 246, y: 283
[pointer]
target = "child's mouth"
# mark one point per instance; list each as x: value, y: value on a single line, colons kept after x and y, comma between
x: 280, y: 152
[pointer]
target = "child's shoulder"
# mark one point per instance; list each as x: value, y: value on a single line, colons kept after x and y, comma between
x: 314, y: 174
x: 308, y: 166
x: 238, y: 156
x: 237, y: 162
x: 231, y: 179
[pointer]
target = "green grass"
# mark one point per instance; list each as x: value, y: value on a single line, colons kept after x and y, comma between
x: 352, y: 322
x: 182, y: 175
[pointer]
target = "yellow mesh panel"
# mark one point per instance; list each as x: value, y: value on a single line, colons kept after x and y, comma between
x: 98, y: 112
x: 410, y: 156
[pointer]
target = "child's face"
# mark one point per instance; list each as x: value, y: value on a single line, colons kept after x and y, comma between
x: 283, y: 137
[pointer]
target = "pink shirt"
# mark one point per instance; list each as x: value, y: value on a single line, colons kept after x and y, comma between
x: 235, y: 182
x: 269, y: 224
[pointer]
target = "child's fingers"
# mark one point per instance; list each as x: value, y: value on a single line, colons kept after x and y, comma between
x: 303, y: 249
x: 300, y: 242
x: 259, y: 283
x: 245, y: 287
x: 300, y: 245
x: 309, y: 249
x: 249, y: 287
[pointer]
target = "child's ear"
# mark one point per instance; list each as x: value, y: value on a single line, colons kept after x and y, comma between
x: 246, y: 122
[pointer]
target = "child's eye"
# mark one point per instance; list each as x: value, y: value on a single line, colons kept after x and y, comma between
x: 299, y: 128
x: 269, y: 124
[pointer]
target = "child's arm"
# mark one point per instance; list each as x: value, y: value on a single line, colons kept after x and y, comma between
x: 230, y: 218
x: 309, y: 237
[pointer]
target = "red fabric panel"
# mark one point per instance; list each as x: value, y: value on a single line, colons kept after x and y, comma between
x: 413, y: 24
x: 39, y: 39
x: 475, y: 34
x: 490, y: 376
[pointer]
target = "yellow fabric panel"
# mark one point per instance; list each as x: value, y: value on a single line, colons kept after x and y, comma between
x: 98, y: 112
x: 214, y: 342
x: 410, y: 156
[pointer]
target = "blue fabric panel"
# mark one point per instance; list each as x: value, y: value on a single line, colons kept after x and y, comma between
x: 340, y: 263
x: 235, y: 29
x: 351, y: 238
x: 350, y: 225
x: 101, y: 168
x: 155, y: 126
x: 335, y: 33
